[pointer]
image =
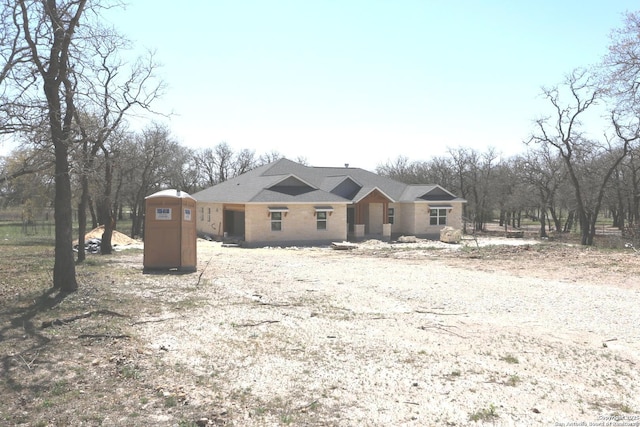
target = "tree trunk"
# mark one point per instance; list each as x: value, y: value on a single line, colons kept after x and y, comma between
x: 82, y: 223
x: 83, y: 204
x: 543, y: 223
x: 136, y: 220
x: 568, y: 225
x: 64, y: 269
x: 556, y: 221
x: 107, y: 211
x: 92, y: 211
x: 587, y: 229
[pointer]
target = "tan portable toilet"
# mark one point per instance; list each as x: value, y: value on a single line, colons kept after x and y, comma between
x: 170, y: 231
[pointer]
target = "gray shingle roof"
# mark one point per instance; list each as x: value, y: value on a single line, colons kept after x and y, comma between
x: 285, y: 181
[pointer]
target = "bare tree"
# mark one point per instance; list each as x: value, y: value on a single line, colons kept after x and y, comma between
x: 511, y: 194
x: 220, y: 163
x: 621, y: 70
x: 24, y: 161
x: 48, y: 28
x: 631, y: 182
x: 15, y: 77
x: 545, y: 172
x: 589, y: 163
x: 215, y: 164
x: 26, y: 178
x: 401, y: 169
x: 148, y: 162
x: 621, y: 66
x: 269, y: 157
x: 475, y: 175
x: 111, y: 89
x: 244, y: 161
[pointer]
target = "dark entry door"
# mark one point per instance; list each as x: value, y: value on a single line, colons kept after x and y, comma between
x: 351, y: 218
x: 234, y: 223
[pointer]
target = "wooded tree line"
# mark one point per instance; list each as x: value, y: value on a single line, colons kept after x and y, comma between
x: 68, y: 85
x: 581, y: 157
x: 533, y: 186
x: 142, y: 163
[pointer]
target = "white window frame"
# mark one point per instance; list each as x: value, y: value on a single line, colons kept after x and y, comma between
x: 322, y: 214
x: 321, y: 220
x: 276, y: 216
x: 440, y: 216
x: 276, y: 221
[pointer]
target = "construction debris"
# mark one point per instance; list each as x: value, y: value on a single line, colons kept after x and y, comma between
x: 93, y: 240
x: 342, y: 246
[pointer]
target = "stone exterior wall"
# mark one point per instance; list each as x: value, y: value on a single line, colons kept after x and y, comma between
x: 210, y: 219
x: 422, y: 219
x: 413, y: 219
x: 299, y: 226
x: 405, y: 219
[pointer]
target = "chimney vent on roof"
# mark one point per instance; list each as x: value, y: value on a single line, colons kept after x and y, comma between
x: 346, y: 165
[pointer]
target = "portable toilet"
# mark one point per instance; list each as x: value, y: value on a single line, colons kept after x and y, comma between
x: 170, y: 234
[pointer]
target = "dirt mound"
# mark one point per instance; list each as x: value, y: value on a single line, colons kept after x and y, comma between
x: 117, y: 238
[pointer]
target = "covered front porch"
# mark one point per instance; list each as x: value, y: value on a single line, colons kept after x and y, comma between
x: 369, y: 217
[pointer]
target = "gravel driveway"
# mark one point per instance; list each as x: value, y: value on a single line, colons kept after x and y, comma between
x: 400, y: 335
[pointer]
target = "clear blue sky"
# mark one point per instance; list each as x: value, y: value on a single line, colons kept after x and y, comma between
x: 363, y: 82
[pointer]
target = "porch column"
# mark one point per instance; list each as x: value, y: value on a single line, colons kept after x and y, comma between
x: 359, y: 214
x: 385, y: 212
x: 386, y: 231
x: 386, y: 227
x: 359, y: 226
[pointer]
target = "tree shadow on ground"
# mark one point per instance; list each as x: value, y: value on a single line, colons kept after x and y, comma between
x: 19, y: 332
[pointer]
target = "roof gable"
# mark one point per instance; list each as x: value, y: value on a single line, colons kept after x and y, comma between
x: 374, y: 195
x: 284, y: 167
x: 292, y: 186
x: 437, y: 193
x: 347, y: 188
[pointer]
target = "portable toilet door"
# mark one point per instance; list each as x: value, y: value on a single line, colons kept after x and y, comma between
x: 170, y: 236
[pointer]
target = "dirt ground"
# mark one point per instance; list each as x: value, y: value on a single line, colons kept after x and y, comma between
x: 506, y: 332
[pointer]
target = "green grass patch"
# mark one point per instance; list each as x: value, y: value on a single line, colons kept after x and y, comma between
x: 509, y: 358
x: 484, y: 414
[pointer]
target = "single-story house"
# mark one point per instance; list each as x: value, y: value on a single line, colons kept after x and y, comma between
x: 287, y: 203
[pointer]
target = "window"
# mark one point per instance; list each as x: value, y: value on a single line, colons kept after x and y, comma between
x: 201, y: 214
x: 391, y: 213
x: 276, y: 213
x: 321, y: 220
x: 276, y: 221
x: 321, y: 214
x: 438, y: 216
x: 208, y: 214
